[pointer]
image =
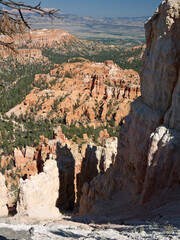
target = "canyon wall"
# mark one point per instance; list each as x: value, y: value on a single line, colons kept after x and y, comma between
x: 146, y: 173
x: 97, y: 159
x: 24, y: 55
x: 43, y: 193
x: 53, y: 174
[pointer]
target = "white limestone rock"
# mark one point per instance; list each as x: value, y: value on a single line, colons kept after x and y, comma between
x: 3, y: 197
x: 39, y: 195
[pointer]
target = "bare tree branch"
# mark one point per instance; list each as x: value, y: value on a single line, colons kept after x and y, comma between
x: 12, y: 22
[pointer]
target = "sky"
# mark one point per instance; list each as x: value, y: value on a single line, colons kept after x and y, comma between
x: 102, y: 8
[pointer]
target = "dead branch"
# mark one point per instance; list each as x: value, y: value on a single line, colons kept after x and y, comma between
x: 12, y: 22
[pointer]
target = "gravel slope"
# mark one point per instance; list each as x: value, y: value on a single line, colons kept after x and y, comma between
x: 66, y: 229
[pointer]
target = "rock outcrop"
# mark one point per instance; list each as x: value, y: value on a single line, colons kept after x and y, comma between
x: 41, y: 38
x: 24, y: 55
x: 88, y: 92
x: 29, y: 45
x: 3, y: 197
x: 57, y: 169
x: 146, y: 171
x: 53, y: 187
x: 25, y: 157
x: 39, y: 195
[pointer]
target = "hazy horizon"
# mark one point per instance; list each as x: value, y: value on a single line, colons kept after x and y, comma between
x: 102, y: 8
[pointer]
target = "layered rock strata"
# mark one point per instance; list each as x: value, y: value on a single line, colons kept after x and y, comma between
x: 147, y: 166
x: 29, y: 45
x: 41, y: 38
x: 24, y: 56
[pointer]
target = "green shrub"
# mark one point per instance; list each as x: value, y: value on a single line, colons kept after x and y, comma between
x: 67, y: 75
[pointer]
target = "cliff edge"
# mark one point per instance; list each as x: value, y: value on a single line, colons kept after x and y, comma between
x: 145, y: 179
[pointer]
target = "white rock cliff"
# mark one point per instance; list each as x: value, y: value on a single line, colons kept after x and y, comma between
x: 146, y: 173
x: 39, y: 195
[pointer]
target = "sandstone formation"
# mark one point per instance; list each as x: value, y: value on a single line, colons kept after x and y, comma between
x: 3, y: 197
x: 43, y: 194
x: 29, y: 162
x: 22, y: 164
x: 66, y: 161
x: 97, y: 159
x: 66, y: 164
x: 88, y: 92
x: 39, y: 195
x: 22, y: 159
x: 145, y: 175
x: 24, y: 55
x: 41, y: 38
x: 57, y: 169
x: 29, y: 45
x: 73, y: 170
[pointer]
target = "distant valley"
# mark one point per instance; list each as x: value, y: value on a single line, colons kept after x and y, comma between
x: 125, y: 31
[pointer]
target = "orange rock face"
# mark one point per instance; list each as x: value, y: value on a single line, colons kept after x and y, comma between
x: 24, y: 55
x: 41, y: 38
x: 82, y: 92
x: 22, y: 159
x: 31, y: 43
